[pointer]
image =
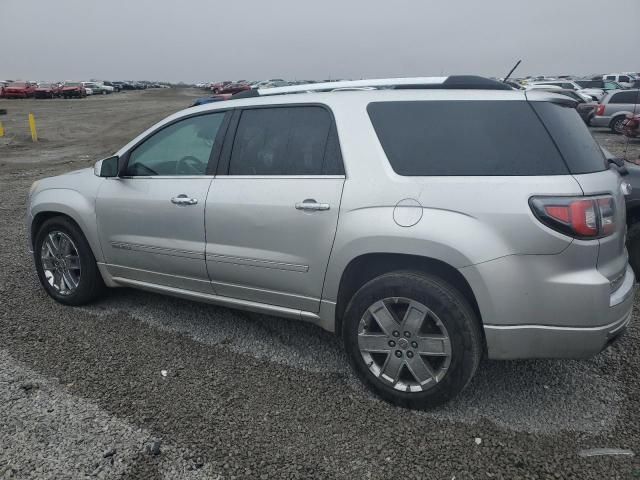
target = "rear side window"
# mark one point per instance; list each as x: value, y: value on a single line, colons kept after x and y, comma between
x: 285, y: 141
x: 579, y: 150
x: 625, y: 97
x: 448, y: 138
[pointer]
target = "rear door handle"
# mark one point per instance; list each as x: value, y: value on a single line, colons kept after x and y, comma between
x: 183, y: 199
x: 311, y: 205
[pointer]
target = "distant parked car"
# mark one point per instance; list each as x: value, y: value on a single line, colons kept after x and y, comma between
x: 217, y: 87
x: 98, y: 88
x: 114, y: 85
x: 606, y: 86
x: 48, y: 90
x: 594, y: 93
x: 20, y: 90
x: 615, y: 107
x: 235, y: 88
x: 624, y: 80
x: 586, y: 108
x: 73, y: 90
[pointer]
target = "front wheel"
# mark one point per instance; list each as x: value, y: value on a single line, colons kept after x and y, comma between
x: 65, y: 263
x: 412, y: 338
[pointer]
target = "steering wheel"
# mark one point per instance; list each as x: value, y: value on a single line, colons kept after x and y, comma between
x: 190, y: 165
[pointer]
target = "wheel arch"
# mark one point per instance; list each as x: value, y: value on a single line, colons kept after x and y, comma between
x: 77, y: 208
x: 367, y: 266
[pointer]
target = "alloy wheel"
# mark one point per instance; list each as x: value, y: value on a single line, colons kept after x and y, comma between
x: 404, y: 344
x: 60, y: 262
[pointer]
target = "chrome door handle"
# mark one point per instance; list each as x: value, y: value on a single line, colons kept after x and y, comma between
x: 183, y: 199
x: 311, y: 205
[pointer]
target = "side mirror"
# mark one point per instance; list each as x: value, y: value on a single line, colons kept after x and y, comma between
x: 107, y: 167
x: 619, y: 163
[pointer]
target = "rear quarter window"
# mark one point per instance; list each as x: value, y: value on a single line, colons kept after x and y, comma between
x: 465, y: 138
x: 579, y: 150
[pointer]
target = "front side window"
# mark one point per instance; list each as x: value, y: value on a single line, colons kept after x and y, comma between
x: 283, y: 141
x: 182, y: 148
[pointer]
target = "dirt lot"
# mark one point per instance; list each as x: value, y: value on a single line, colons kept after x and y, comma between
x: 248, y: 396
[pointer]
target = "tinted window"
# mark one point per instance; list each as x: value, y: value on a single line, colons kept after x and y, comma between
x: 625, y: 97
x: 182, y: 148
x: 282, y: 141
x: 465, y: 138
x: 590, y: 83
x: 623, y: 78
x: 579, y: 150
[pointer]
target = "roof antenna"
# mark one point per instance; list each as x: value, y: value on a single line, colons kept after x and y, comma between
x: 511, y: 71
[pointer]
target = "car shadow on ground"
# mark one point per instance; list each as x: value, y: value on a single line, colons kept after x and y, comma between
x: 538, y: 396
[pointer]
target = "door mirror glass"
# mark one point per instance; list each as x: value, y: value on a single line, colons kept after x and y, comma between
x: 107, y: 167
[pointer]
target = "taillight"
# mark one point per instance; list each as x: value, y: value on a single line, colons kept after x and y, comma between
x: 578, y: 217
x: 600, y: 110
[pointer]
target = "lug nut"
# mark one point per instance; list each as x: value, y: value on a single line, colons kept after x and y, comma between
x: 414, y: 344
x: 392, y: 343
x: 396, y: 333
x: 410, y: 354
x: 398, y: 353
x: 407, y: 334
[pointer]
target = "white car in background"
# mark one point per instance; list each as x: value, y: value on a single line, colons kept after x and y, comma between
x: 553, y: 86
x: 624, y: 79
x: 592, y: 93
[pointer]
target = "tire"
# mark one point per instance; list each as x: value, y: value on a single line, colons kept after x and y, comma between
x: 633, y: 247
x: 89, y: 285
x: 616, y: 124
x: 446, y: 305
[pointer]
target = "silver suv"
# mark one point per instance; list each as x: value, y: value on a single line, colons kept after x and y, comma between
x: 615, y: 107
x: 425, y: 221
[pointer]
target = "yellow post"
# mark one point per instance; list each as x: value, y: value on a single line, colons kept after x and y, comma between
x: 1, y: 130
x: 32, y: 126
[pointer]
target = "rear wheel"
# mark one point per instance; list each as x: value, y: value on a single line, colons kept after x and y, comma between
x: 412, y: 338
x: 617, y: 124
x: 65, y: 263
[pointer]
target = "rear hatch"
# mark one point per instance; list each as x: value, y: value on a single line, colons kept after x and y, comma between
x: 587, y: 164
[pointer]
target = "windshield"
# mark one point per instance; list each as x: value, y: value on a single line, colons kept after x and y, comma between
x: 17, y: 85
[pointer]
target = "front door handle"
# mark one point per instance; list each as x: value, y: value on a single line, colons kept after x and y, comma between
x: 183, y: 199
x: 311, y: 205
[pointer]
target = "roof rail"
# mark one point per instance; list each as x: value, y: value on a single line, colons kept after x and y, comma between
x: 470, y: 82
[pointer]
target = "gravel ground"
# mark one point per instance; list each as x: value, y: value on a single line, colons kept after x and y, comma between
x: 248, y: 396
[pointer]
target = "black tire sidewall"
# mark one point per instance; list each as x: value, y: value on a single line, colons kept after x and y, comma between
x: 454, y: 312
x: 90, y: 280
x: 633, y: 247
x: 614, y: 122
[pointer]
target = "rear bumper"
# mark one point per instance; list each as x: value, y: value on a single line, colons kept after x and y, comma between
x: 598, y: 121
x: 507, y: 342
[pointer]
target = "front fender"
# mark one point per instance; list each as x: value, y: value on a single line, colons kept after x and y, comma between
x: 73, y: 204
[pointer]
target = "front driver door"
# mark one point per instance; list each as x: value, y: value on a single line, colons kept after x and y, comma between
x: 151, y: 218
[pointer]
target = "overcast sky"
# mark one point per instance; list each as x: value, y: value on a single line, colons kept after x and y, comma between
x: 200, y: 40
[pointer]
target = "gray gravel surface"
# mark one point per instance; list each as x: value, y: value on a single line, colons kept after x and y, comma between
x: 249, y: 396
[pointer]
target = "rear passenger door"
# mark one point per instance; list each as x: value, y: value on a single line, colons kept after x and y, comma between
x: 272, y: 210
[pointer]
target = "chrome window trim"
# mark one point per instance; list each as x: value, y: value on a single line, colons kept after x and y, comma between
x: 326, y: 177
x: 170, y: 177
